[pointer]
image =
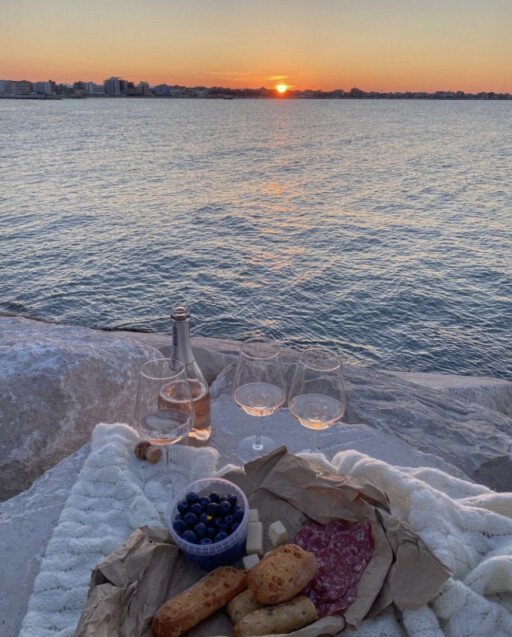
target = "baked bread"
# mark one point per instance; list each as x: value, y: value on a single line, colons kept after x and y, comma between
x: 282, y: 574
x: 198, y: 602
x: 274, y: 620
x: 242, y: 605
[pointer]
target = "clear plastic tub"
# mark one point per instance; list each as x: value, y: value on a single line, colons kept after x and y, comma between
x: 224, y: 553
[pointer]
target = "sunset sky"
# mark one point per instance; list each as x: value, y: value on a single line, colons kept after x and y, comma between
x: 383, y: 45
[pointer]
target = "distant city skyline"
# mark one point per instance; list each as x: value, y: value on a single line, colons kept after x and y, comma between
x: 119, y: 87
x: 377, y: 45
x: 141, y: 87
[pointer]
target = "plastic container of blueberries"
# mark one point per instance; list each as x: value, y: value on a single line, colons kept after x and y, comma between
x: 207, y: 557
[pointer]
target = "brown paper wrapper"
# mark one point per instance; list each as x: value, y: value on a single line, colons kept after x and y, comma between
x: 130, y: 585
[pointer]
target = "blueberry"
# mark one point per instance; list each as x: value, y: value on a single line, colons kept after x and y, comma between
x: 206, y: 540
x: 229, y: 519
x: 214, y: 497
x: 234, y: 526
x: 190, y: 519
x: 238, y: 515
x: 190, y: 536
x: 179, y: 526
x: 204, y: 502
x: 196, y: 508
x: 221, y: 535
x: 183, y: 506
x: 211, y: 532
x: 215, y: 522
x: 191, y: 497
x: 200, y: 529
x: 225, y: 507
x: 223, y: 527
x: 204, y: 518
x: 212, y: 508
x: 232, y: 500
x: 179, y: 516
x: 222, y: 498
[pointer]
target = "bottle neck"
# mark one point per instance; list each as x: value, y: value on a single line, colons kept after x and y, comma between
x: 181, y: 346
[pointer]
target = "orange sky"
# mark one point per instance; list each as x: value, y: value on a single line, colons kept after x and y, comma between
x: 387, y: 45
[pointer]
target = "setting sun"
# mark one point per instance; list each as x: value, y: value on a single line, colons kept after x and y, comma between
x: 281, y: 88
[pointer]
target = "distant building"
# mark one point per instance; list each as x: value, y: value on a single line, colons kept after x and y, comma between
x: 22, y: 87
x: 43, y: 88
x: 6, y: 87
x: 94, y: 89
x: 124, y: 87
x: 112, y: 87
x: 143, y: 88
x: 162, y: 90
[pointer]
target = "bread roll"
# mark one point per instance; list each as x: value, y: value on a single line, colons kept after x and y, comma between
x: 242, y: 605
x: 282, y: 575
x: 273, y: 620
x: 200, y: 601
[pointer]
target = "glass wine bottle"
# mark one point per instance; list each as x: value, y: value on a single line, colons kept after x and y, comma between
x: 182, y: 349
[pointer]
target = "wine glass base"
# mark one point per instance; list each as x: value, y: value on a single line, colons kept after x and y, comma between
x: 248, y: 450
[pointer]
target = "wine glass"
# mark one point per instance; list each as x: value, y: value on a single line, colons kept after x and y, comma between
x: 259, y: 389
x: 164, y: 411
x: 317, y: 398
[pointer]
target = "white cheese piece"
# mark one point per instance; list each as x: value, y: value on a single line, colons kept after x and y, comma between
x: 254, y: 542
x: 277, y: 533
x: 254, y: 515
x: 250, y: 560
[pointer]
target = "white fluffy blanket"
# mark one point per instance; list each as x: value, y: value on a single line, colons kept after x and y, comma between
x: 467, y: 526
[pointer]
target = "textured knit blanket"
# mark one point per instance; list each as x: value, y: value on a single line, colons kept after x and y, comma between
x: 467, y: 526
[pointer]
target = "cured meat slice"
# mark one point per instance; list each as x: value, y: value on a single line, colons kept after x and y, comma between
x: 343, y: 551
x: 317, y: 542
x: 333, y: 577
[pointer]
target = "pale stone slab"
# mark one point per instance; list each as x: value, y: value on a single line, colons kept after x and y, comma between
x: 493, y: 393
x: 56, y: 383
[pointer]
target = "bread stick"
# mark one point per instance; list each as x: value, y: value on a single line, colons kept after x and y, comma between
x: 200, y: 601
x: 282, y: 618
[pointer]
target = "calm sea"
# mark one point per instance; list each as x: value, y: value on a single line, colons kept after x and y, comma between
x: 382, y: 228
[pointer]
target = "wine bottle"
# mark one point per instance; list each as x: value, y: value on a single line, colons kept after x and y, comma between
x: 182, y: 349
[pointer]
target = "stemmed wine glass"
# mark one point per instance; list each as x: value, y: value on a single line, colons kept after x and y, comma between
x: 317, y: 397
x: 164, y: 411
x: 259, y: 389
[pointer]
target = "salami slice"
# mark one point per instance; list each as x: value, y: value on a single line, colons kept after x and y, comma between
x: 343, y: 551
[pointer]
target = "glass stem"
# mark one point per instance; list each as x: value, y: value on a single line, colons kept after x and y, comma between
x: 314, y: 441
x: 257, y: 442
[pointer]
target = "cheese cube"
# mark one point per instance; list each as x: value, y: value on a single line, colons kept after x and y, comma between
x: 254, y: 542
x: 250, y: 561
x: 254, y: 515
x: 277, y: 533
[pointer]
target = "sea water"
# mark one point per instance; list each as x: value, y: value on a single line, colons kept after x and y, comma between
x: 380, y: 228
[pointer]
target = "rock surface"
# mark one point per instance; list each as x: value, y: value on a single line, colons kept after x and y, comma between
x: 56, y: 383
x: 475, y: 439
x: 493, y: 393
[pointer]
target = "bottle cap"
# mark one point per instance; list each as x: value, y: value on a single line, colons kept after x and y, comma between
x: 180, y: 312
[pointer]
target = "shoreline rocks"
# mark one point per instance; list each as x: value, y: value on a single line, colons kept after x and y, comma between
x: 58, y: 381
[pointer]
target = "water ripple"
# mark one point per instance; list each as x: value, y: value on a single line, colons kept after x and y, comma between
x: 381, y: 228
